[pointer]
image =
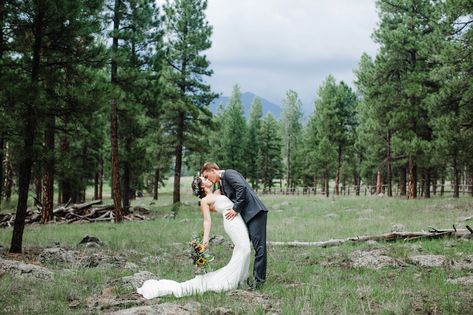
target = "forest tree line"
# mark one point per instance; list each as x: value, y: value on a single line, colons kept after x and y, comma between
x: 94, y: 90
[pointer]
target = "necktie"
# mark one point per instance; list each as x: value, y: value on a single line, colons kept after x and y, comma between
x: 221, y: 188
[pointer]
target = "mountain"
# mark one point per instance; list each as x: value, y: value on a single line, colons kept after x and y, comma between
x: 247, y: 99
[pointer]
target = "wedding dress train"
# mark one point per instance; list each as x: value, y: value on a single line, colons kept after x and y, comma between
x: 223, y: 279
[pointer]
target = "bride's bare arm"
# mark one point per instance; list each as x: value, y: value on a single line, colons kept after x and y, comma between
x: 205, y: 209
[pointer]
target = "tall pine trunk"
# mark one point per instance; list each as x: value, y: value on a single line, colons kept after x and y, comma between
x: 28, y: 134
x: 38, y: 187
x: 379, y: 182
x: 412, y: 180
x: 289, y: 167
x: 48, y: 175
x: 96, y: 184
x: 315, y: 184
x: 8, y: 181
x: 326, y: 180
x: 456, y: 179
x: 2, y: 49
x: 116, y: 194
x: 1, y: 167
x: 64, y: 184
x: 442, y: 185
x: 127, y: 193
x: 98, y: 180
x: 470, y: 181
x: 156, y: 184
x: 402, y: 181
x: 126, y: 186
x: 427, y: 182
x: 176, y: 197
x: 339, y: 166
x: 389, y: 175
x: 357, y: 182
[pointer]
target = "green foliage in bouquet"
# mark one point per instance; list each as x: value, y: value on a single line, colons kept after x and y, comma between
x: 200, y: 255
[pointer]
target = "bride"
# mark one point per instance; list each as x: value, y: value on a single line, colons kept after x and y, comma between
x: 226, y: 278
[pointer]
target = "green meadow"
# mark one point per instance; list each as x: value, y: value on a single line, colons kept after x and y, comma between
x: 301, y: 280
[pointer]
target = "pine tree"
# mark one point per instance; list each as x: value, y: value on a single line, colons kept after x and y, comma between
x: 49, y: 38
x: 334, y: 110
x: 292, y: 136
x: 450, y: 107
x: 403, y: 35
x: 269, y: 161
x: 234, y: 135
x: 254, y: 127
x: 188, y: 96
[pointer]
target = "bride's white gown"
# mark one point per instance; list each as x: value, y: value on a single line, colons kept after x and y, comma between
x: 226, y: 278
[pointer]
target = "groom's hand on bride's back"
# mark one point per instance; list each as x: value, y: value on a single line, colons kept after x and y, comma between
x: 230, y: 214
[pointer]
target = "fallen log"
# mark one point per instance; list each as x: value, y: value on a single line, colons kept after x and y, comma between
x: 91, y: 211
x: 393, y: 236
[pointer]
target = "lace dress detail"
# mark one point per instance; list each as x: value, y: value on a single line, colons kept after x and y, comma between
x: 223, y: 279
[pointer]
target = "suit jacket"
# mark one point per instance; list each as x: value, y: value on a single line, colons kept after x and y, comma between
x: 245, y: 201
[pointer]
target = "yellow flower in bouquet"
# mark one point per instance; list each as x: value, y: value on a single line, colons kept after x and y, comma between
x: 200, y: 255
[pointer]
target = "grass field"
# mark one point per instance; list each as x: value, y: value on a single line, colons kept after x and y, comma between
x: 306, y: 280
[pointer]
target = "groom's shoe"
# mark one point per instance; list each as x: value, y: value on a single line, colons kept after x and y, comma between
x: 254, y: 285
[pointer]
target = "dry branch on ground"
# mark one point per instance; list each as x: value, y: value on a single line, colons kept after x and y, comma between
x: 92, y: 211
x: 393, y: 236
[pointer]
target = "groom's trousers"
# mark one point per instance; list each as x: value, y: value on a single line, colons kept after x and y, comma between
x: 257, y: 232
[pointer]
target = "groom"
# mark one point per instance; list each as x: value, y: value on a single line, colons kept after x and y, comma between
x: 249, y: 206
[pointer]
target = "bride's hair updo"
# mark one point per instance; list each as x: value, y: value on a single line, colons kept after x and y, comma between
x: 197, y: 188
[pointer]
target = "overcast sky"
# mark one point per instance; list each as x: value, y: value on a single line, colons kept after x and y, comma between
x: 270, y: 46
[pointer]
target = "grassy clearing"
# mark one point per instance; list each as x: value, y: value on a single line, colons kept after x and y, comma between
x: 300, y: 280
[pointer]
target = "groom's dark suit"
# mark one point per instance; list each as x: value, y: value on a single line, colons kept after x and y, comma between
x: 254, y: 213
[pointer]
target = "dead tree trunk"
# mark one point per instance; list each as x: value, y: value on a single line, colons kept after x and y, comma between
x: 393, y: 236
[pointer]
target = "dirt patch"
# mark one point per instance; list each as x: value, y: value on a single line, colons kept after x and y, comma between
x: 23, y: 269
x: 255, y: 298
x: 372, y: 258
x: 190, y: 308
x: 468, y: 280
x: 427, y: 260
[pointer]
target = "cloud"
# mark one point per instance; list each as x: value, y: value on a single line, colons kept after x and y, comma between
x: 270, y: 46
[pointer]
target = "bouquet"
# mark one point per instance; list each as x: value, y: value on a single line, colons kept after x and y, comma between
x: 200, y: 255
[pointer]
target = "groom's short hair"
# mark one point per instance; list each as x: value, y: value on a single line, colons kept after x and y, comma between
x: 208, y: 166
